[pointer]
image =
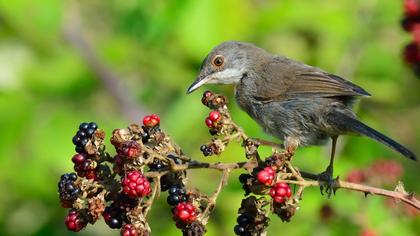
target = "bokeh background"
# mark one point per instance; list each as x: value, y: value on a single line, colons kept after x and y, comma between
x: 64, y: 62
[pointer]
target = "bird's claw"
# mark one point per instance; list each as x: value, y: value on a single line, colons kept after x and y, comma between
x: 327, y: 183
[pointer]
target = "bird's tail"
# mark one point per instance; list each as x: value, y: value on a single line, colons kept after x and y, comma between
x: 348, y: 123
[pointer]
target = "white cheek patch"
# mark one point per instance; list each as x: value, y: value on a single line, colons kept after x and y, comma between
x: 227, y: 76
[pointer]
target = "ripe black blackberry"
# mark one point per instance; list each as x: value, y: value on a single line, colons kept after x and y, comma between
x: 245, y: 225
x: 85, y: 132
x: 207, y: 151
x: 177, y: 194
x: 170, y: 179
x: 67, y: 189
x: 157, y: 165
x: 114, y: 216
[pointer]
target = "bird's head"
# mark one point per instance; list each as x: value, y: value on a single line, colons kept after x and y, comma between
x: 226, y: 64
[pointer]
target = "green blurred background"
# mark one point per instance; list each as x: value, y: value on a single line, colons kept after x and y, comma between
x: 64, y: 62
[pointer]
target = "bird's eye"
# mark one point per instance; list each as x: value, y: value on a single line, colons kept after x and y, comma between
x: 218, y: 61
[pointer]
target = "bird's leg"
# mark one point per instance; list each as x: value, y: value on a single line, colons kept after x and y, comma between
x: 327, y: 175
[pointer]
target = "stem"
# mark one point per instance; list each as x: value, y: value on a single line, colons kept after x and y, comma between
x: 212, y: 200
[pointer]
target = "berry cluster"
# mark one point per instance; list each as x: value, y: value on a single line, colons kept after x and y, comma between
x: 151, y: 121
x: 185, y: 212
x: 129, y: 230
x: 213, y: 101
x: 135, y: 185
x: 215, y: 147
x: 213, y: 119
x: 170, y: 179
x: 115, y: 215
x: 266, y: 176
x: 177, y: 195
x: 68, y: 190
x: 85, y: 166
x: 243, y: 220
x: 252, y: 219
x: 411, y: 24
x: 85, y: 132
x: 206, y: 150
x: 74, y: 221
x: 280, y: 192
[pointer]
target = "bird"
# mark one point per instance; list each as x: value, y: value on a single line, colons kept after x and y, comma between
x: 300, y: 104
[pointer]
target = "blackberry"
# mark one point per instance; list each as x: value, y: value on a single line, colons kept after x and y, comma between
x: 74, y: 221
x: 114, y: 216
x: 157, y: 165
x: 185, y: 212
x: 245, y: 225
x: 67, y: 189
x: 145, y: 136
x: 244, y: 219
x: 85, y: 168
x: 177, y: 194
x: 129, y: 230
x: 239, y: 230
x: 135, y: 184
x: 85, y: 132
x: 207, y: 151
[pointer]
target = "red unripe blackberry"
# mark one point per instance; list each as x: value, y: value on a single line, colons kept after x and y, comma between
x: 135, y: 184
x: 155, y: 117
x: 185, y: 212
x: 151, y: 121
x: 214, y: 116
x: 209, y: 122
x: 280, y: 192
x: 128, y: 230
x: 74, y: 222
x: 266, y: 176
x: 78, y: 158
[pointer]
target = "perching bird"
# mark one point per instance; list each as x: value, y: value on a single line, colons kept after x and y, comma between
x: 298, y: 103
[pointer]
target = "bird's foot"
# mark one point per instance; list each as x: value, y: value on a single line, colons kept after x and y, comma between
x: 327, y: 183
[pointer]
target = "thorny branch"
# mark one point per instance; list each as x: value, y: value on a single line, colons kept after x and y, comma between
x: 397, y: 194
x: 145, y: 153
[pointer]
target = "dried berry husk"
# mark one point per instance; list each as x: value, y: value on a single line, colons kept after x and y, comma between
x: 285, y: 211
x: 194, y: 229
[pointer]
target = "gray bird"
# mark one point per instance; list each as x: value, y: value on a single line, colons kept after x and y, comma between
x: 298, y: 103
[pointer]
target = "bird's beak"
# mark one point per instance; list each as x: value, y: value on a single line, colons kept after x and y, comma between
x: 198, y: 83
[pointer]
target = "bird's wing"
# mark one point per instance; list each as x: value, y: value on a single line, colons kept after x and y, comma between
x: 288, y: 79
